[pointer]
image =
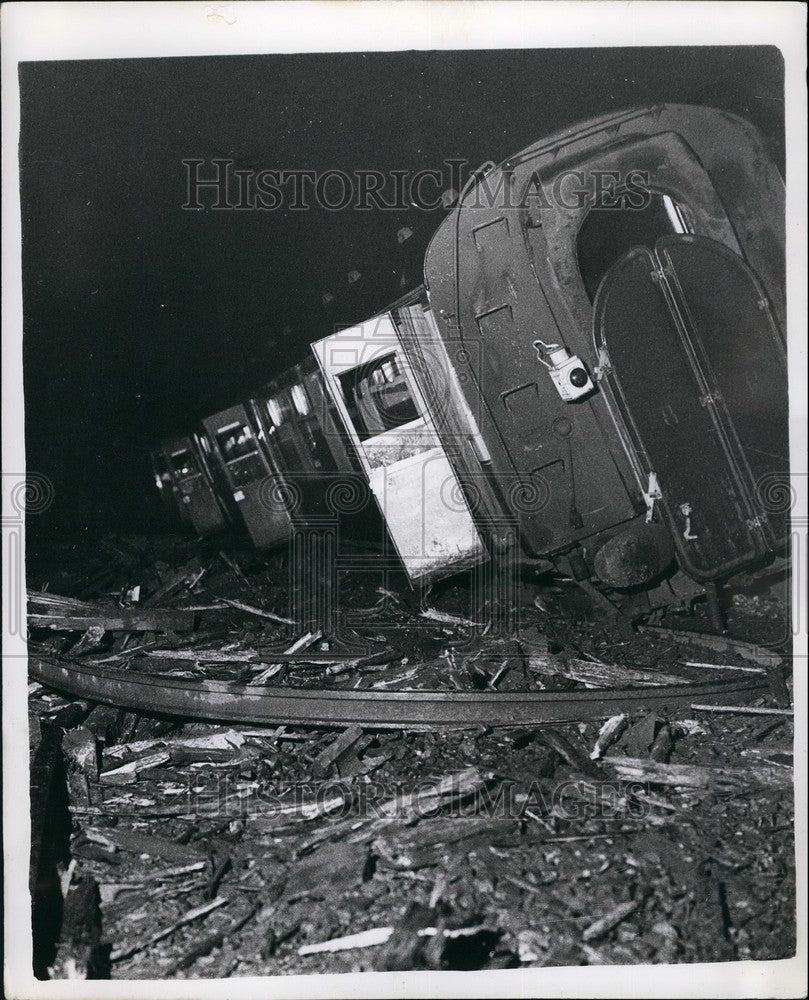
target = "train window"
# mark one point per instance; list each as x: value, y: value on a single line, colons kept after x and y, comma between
x: 183, y: 463
x: 378, y: 397
x: 299, y: 400
x: 608, y: 233
x: 236, y: 441
x: 279, y: 409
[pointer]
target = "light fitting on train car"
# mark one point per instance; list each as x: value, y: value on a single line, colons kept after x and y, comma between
x: 566, y: 370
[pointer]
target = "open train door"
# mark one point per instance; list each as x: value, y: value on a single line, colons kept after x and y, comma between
x: 695, y: 367
x: 385, y: 416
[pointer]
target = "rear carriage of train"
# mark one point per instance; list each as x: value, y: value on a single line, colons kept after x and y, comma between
x: 185, y: 482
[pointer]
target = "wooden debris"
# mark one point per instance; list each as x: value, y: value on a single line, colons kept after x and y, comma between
x: 381, y: 935
x: 606, y: 923
x: 71, y: 715
x: 597, y: 675
x: 331, y: 755
x: 187, y: 576
x: 234, y: 565
x: 725, y: 779
x: 105, y: 723
x: 259, y: 612
x: 79, y: 748
x: 778, y: 686
x: 91, y: 638
x: 228, y: 740
x: 571, y: 753
x: 108, y: 619
x: 433, y: 615
x: 364, y: 939
x: 451, y: 787
x: 215, y: 939
x: 334, y: 869
x: 725, y: 666
x: 205, y: 655
x: 198, y: 913
x: 721, y: 643
x: 125, y: 774
x: 304, y: 642
x: 608, y: 734
x: 779, y: 755
x: 145, y: 843
x: 663, y: 744
x: 44, y: 742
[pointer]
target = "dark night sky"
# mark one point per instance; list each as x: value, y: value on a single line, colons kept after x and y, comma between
x: 140, y: 317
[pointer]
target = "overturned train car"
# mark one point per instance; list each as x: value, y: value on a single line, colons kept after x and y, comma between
x: 593, y: 375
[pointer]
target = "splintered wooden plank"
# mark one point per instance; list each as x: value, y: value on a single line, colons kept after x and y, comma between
x: 116, y: 620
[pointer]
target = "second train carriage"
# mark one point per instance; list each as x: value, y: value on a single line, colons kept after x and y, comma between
x: 595, y: 371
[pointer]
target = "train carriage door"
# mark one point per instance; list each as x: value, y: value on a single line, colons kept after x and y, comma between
x: 696, y: 370
x: 385, y: 416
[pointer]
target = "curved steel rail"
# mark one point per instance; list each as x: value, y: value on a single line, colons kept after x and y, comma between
x: 224, y: 702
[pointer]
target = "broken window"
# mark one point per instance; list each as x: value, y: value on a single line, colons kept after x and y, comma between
x: 609, y: 233
x: 236, y: 441
x: 378, y: 397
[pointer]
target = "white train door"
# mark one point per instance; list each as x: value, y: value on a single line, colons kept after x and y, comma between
x: 368, y: 378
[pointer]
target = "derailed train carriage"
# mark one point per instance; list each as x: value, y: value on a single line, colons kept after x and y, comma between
x: 593, y: 375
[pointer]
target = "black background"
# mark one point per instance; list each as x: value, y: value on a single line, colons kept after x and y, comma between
x: 141, y: 317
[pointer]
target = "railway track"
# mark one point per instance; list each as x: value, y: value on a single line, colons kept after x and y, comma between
x: 224, y: 702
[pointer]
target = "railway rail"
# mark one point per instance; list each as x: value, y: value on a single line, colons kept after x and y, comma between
x: 224, y: 702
